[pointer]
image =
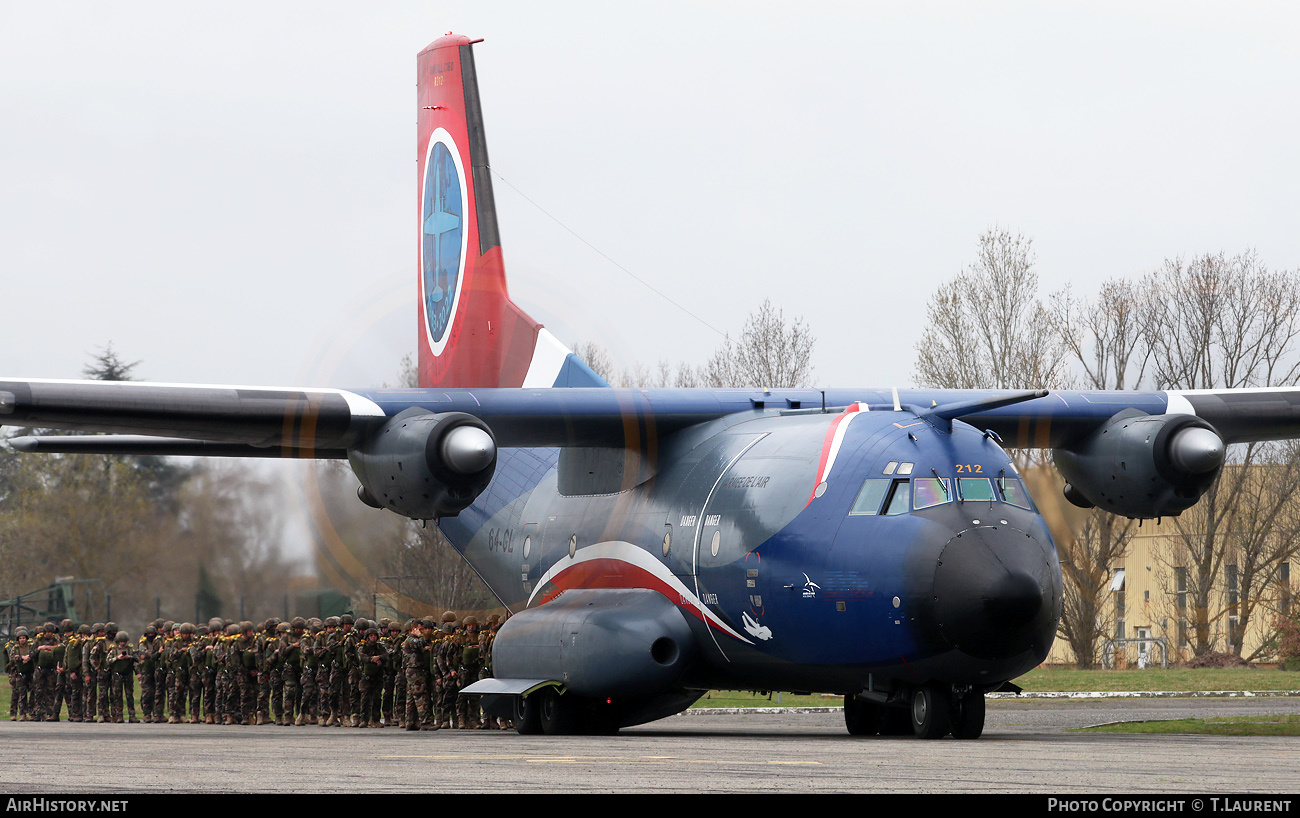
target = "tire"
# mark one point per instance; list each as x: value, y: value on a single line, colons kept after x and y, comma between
x: 528, y: 715
x: 559, y: 714
x: 968, y: 716
x: 862, y: 718
x: 931, y: 712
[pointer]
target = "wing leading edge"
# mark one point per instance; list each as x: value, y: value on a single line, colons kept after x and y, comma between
x: 154, y: 418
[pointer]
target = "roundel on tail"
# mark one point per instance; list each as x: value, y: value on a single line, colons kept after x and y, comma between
x: 443, y: 237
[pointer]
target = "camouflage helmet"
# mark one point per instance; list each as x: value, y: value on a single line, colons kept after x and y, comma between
x: 283, y: 627
x: 470, y: 621
x: 232, y: 629
x: 331, y: 621
x: 347, y: 619
x: 298, y: 622
x: 372, y: 632
x: 215, y: 622
x: 187, y: 627
x: 99, y: 626
x: 150, y: 632
x: 20, y: 632
x: 428, y: 623
x: 66, y: 625
x: 449, y: 616
x: 50, y: 627
x: 83, y: 630
x: 122, y: 636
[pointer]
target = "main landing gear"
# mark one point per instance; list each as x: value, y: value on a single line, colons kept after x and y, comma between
x: 556, y: 714
x: 929, y: 712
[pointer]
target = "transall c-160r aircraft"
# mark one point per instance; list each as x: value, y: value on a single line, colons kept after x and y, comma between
x: 653, y: 544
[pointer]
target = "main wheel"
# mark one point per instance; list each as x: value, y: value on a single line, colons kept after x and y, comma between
x: 528, y: 715
x: 559, y: 714
x: 968, y: 716
x: 862, y: 718
x: 931, y: 712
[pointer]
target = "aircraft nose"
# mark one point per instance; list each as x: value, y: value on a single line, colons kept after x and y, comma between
x: 995, y: 594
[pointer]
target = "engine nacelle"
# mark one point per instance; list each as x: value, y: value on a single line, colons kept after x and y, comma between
x: 620, y: 642
x: 424, y: 465
x: 1142, y: 466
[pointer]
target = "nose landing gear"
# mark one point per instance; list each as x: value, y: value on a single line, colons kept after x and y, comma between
x: 931, y: 711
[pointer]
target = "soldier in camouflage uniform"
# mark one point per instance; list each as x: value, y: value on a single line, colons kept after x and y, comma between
x: 415, y: 667
x: 213, y: 703
x: 12, y: 670
x: 47, y: 671
x: 244, y: 665
x: 147, y: 654
x: 329, y: 677
x: 311, y: 660
x: 97, y: 660
x: 265, y: 656
x: 60, y: 654
x: 90, y: 674
x: 387, y: 638
x: 292, y: 635
x: 121, y: 664
x: 399, y: 681
x: 74, y: 677
x: 350, y: 691
x: 370, y: 661
x: 448, y: 667
x: 180, y: 660
x: 470, y: 662
x: 21, y: 665
x: 164, y: 680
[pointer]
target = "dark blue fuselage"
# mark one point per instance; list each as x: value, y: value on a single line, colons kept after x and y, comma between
x: 807, y: 550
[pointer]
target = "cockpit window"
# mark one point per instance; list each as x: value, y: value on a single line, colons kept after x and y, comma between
x: 900, y: 498
x: 975, y: 489
x: 930, y: 491
x: 1013, y: 492
x: 873, y: 491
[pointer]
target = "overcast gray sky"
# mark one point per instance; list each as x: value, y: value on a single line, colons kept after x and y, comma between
x: 227, y: 192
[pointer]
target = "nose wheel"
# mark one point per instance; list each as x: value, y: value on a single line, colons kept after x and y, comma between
x: 968, y: 715
x: 931, y: 711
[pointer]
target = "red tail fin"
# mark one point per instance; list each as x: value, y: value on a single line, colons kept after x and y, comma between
x: 471, y: 334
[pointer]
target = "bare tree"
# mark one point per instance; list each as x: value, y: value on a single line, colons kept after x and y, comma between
x: 1108, y: 339
x: 1226, y: 323
x: 771, y: 352
x: 986, y: 328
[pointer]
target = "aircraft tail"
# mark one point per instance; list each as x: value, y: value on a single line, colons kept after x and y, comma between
x: 470, y: 333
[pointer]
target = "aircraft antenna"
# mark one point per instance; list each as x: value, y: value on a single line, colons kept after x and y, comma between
x: 603, y: 255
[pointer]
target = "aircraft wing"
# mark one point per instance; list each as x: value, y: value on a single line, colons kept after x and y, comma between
x: 156, y: 418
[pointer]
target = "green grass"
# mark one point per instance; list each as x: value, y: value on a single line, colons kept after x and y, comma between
x: 742, y: 698
x: 1235, y: 726
x: 1063, y: 681
x: 1045, y: 680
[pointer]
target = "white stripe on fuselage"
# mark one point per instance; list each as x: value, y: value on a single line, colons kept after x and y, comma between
x: 622, y: 551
